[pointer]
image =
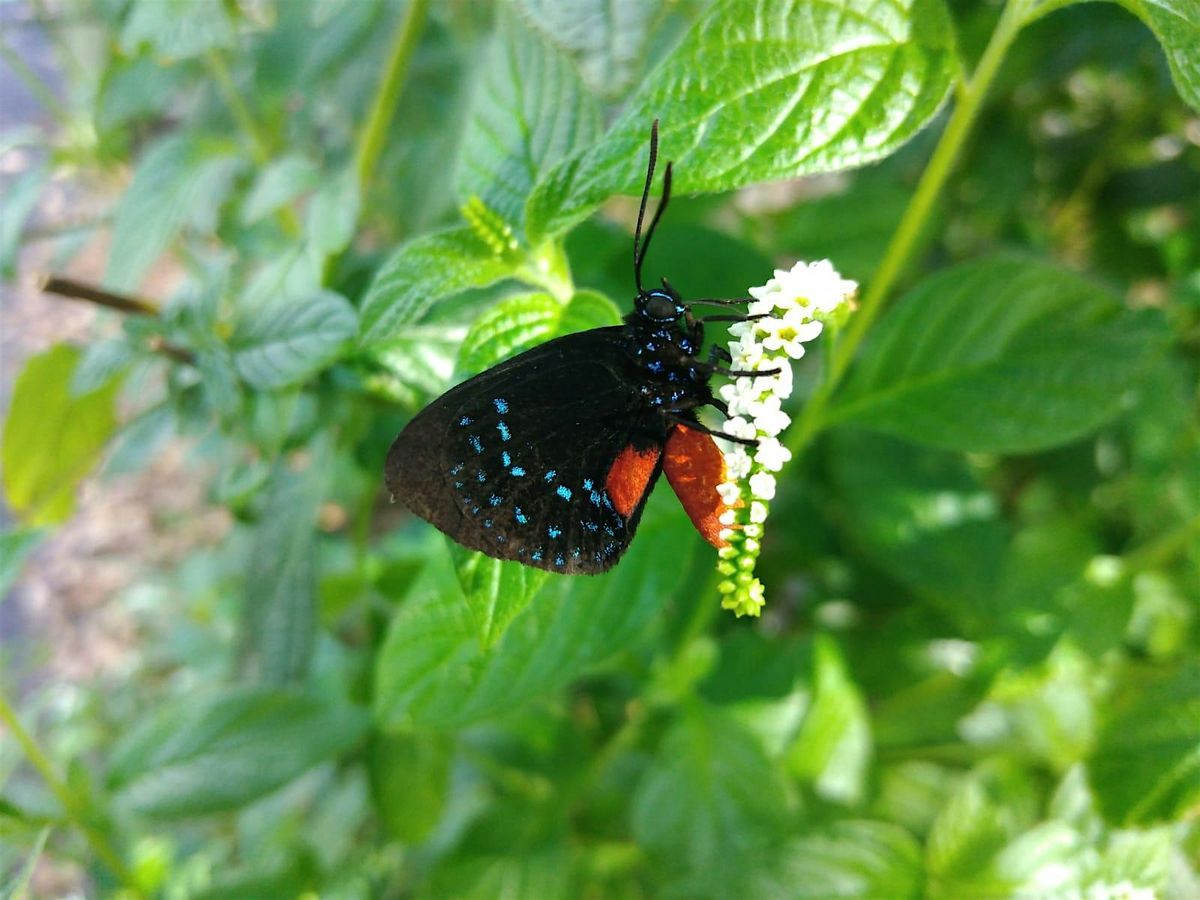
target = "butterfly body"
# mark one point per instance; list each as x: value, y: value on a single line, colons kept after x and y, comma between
x: 548, y: 458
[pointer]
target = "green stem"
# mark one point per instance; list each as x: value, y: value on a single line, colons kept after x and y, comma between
x: 374, y: 134
x: 1162, y: 549
x: 905, y: 241
x: 260, y: 146
x: 36, y: 85
x: 71, y: 808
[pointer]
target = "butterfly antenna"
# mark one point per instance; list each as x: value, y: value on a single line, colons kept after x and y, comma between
x: 662, y: 206
x: 638, y: 252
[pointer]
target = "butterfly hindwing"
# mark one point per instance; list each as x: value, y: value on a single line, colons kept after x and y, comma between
x: 546, y: 458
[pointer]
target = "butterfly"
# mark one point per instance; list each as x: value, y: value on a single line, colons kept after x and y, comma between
x: 548, y: 458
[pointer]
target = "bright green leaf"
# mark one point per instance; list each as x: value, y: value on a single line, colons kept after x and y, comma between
x: 424, y: 271
x: 588, y: 309
x: 1007, y: 355
x: 102, y: 361
x: 205, y: 755
x: 1146, y: 765
x: 514, y: 324
x: 51, y: 438
x: 529, y: 113
x: 495, y: 590
x: 291, y: 338
x: 1176, y: 24
x: 762, y: 90
x: 575, y: 624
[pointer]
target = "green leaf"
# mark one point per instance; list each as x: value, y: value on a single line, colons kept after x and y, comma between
x: 514, y: 324
x: 424, y: 271
x: 51, y: 438
x: 922, y: 516
x: 410, y: 780
x: 711, y: 800
x: 291, y: 337
x: 588, y: 309
x: 967, y: 834
x: 18, y: 203
x: 176, y: 29
x: 277, y: 185
x: 494, y: 590
x: 181, y: 179
x: 529, y: 113
x: 1145, y: 768
x: 1006, y: 355
x: 1176, y: 24
x: 760, y: 90
x: 102, y: 361
x: 607, y: 39
x: 280, y: 583
x: 333, y: 212
x: 833, y: 747
x: 204, y: 755
x: 15, y: 547
x: 575, y: 624
x: 846, y: 859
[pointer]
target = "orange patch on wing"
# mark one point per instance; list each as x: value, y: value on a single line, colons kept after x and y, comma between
x: 629, y: 476
x: 694, y: 465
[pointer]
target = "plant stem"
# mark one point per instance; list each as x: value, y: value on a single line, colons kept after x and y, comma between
x: 77, y: 290
x: 71, y: 809
x: 260, y: 146
x: 1162, y: 549
x: 374, y: 133
x: 913, y: 224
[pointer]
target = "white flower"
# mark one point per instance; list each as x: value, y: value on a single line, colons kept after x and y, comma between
x: 762, y: 485
x: 771, y: 454
x: 788, y: 311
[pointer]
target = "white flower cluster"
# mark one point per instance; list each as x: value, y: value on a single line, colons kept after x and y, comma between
x: 794, y: 306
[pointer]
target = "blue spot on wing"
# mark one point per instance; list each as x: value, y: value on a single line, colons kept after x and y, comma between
x: 551, y: 475
x: 495, y: 500
x: 518, y: 471
x: 465, y: 421
x: 506, y: 459
x: 505, y: 434
x: 587, y: 484
x: 564, y: 492
x: 501, y: 405
x: 521, y: 517
x: 476, y: 444
x: 554, y: 531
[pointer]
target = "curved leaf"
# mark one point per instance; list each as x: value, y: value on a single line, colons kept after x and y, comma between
x: 762, y: 90
x: 291, y: 338
x: 203, y: 756
x: 514, y: 324
x: 1006, y: 355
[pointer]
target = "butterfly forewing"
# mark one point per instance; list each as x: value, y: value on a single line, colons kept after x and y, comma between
x: 546, y: 459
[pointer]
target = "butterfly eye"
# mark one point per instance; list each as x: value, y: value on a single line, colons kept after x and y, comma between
x: 661, y: 306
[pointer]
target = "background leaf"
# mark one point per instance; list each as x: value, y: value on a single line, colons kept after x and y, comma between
x: 424, y: 271
x: 51, y: 438
x: 575, y: 625
x: 765, y: 90
x: 1005, y: 355
x: 512, y: 325
x: 207, y: 755
x: 495, y: 591
x: 176, y: 29
x: 530, y: 112
x: 1146, y: 765
x: 180, y: 179
x: 291, y: 337
x: 1176, y: 24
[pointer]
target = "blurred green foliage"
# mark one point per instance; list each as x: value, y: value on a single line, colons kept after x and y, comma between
x: 979, y: 670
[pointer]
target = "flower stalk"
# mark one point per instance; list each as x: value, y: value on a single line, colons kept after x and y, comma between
x: 786, y: 313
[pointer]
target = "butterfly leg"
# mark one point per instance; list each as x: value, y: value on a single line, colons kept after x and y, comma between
x: 701, y: 427
x: 708, y: 319
x: 716, y: 301
x: 742, y: 373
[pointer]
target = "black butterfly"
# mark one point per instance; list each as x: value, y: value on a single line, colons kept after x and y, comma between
x: 548, y: 457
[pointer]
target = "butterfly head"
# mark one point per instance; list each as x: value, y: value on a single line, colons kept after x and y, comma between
x: 660, y: 305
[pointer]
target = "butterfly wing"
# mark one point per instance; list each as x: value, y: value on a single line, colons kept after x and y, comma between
x: 546, y: 459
